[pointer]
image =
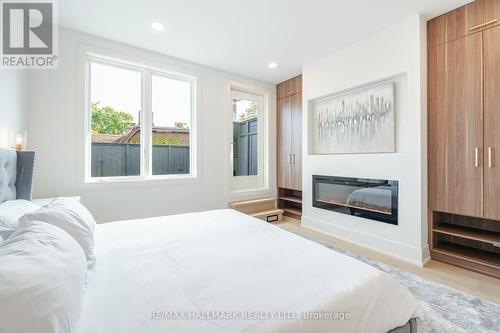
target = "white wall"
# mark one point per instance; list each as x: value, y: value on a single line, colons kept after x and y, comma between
x: 13, y: 103
x: 398, y: 51
x: 54, y: 127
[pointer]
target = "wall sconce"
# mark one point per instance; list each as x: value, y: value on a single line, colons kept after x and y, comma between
x: 19, y: 142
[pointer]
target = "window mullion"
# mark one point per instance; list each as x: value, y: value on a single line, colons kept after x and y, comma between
x: 147, y: 130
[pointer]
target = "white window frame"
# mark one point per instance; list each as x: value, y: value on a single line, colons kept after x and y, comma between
x: 260, y: 182
x: 146, y: 172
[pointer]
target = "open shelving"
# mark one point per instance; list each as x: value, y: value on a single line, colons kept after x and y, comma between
x: 469, y: 242
x: 290, y: 201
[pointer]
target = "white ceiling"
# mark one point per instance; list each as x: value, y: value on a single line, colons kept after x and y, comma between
x: 244, y: 36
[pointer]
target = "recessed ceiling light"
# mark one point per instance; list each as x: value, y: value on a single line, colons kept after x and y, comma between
x: 157, y: 26
x: 272, y: 65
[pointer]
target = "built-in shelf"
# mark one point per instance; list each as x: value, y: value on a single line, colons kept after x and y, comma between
x: 469, y: 233
x: 294, y: 211
x: 469, y: 242
x: 470, y: 254
x: 291, y: 199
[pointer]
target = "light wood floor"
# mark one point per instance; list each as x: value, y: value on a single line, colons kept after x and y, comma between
x: 473, y: 283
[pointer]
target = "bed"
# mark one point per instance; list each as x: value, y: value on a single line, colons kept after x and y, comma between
x: 223, y: 271
x: 222, y: 260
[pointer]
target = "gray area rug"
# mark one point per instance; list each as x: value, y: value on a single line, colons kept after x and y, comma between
x: 446, y: 309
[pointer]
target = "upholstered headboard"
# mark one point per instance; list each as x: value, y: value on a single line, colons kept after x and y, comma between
x: 16, y: 174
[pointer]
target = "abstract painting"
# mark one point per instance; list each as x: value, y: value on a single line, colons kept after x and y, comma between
x: 361, y: 121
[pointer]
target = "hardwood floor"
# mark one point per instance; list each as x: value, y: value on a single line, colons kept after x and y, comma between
x: 473, y: 283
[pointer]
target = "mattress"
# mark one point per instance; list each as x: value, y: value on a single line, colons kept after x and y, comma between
x: 223, y: 271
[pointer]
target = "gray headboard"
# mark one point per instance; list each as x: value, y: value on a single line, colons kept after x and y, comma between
x: 16, y: 174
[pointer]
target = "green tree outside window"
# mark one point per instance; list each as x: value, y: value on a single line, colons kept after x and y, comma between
x: 106, y: 120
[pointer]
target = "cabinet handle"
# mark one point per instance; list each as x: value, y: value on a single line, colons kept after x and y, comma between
x: 476, y: 157
x: 291, y: 92
x: 483, y: 24
x: 490, y: 157
x: 293, y: 159
x: 290, y: 159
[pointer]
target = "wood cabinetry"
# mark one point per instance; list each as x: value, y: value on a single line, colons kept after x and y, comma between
x: 290, y: 87
x: 491, y: 162
x: 482, y: 14
x: 464, y: 136
x: 456, y: 126
x: 290, y: 138
x: 296, y: 135
x: 290, y: 142
x: 463, y: 21
x: 289, y: 135
x: 447, y: 27
x: 284, y: 143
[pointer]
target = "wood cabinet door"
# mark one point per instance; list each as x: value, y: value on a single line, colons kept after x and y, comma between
x: 296, y: 116
x: 447, y: 27
x: 491, y: 40
x: 284, y: 143
x: 482, y: 14
x: 456, y: 127
x: 281, y: 90
x: 295, y: 85
x: 290, y: 87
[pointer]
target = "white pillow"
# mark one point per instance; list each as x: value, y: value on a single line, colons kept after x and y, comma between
x: 71, y: 216
x: 10, y: 212
x: 42, y: 272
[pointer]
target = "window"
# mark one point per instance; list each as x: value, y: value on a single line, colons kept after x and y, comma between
x: 115, y: 107
x: 140, y: 122
x: 248, y: 141
x: 171, y: 123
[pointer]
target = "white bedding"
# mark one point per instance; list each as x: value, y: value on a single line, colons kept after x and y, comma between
x: 236, y: 265
x: 42, y: 275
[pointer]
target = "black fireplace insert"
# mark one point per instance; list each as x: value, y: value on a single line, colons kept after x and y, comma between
x: 374, y: 199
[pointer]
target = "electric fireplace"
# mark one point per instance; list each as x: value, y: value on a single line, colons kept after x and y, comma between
x: 374, y: 199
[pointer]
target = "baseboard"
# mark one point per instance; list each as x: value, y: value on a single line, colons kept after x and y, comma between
x: 409, y: 254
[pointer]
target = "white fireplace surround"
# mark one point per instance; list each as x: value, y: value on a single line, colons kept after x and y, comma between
x: 400, y: 49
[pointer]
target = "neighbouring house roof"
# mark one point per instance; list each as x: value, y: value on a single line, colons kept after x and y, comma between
x: 106, y: 138
x: 133, y: 135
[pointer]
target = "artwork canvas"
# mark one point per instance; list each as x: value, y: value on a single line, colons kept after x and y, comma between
x: 358, y: 122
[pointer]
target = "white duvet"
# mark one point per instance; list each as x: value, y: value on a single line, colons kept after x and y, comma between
x: 222, y: 271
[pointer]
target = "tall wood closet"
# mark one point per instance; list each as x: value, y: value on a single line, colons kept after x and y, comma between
x: 289, y: 107
x: 464, y: 136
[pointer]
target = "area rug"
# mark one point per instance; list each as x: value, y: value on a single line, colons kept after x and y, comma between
x: 446, y: 310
